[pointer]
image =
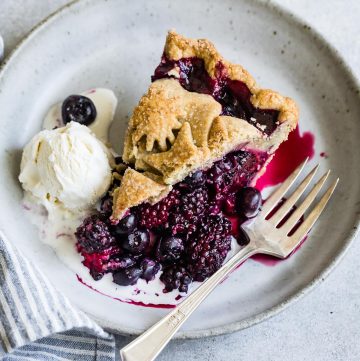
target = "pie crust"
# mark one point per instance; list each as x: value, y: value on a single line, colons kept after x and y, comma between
x: 174, y: 132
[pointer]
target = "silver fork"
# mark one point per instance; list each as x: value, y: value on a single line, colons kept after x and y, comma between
x: 267, y: 236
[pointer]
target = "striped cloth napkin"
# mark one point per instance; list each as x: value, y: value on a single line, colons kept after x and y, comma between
x: 39, y: 323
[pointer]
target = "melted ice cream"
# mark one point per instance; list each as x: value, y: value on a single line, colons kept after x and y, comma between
x: 105, y: 103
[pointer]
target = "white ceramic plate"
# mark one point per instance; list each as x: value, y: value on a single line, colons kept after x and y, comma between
x: 117, y: 44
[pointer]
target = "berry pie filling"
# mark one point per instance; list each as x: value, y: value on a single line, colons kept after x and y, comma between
x: 233, y: 95
x: 186, y: 236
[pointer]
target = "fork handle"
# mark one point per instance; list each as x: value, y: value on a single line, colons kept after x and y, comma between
x: 148, y: 345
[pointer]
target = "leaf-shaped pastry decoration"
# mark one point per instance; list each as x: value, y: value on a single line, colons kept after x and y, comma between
x: 155, y: 118
x: 163, y: 110
x: 183, y: 157
x: 134, y: 189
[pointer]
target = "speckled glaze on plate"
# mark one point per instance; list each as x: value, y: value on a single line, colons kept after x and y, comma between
x: 1, y: 48
x: 117, y: 44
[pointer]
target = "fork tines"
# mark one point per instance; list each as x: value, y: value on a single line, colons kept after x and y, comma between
x: 279, y: 220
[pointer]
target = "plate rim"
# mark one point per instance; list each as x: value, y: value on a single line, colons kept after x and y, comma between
x: 355, y: 230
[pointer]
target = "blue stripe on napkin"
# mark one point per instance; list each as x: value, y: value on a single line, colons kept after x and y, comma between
x: 39, y: 323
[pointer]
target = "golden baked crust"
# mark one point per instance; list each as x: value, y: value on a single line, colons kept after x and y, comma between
x: 178, y: 47
x: 134, y: 188
x: 173, y: 132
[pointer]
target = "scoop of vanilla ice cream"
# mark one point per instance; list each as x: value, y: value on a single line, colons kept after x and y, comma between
x: 66, y: 167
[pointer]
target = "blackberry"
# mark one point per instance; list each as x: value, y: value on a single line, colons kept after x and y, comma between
x: 220, y: 175
x: 93, y: 235
x: 207, y: 251
x: 187, y: 214
x: 234, y: 171
x: 176, y: 277
x: 214, y: 207
x: 151, y: 216
x: 179, y: 225
x: 193, y: 204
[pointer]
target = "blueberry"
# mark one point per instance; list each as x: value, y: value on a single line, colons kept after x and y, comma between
x: 149, y: 269
x: 176, y: 277
x: 249, y: 202
x: 96, y: 275
x: 127, y: 276
x: 242, y: 237
x: 195, y: 180
x: 169, y: 249
x: 137, y: 241
x: 106, y: 204
x: 125, y: 225
x: 77, y: 108
x: 125, y: 261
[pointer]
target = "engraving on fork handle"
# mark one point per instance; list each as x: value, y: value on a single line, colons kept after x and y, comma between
x: 175, y: 319
x: 147, y: 346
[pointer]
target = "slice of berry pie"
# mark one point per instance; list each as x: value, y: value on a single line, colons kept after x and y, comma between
x: 195, y: 145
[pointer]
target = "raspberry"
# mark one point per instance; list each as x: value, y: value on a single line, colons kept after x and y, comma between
x: 93, y: 235
x: 208, y: 250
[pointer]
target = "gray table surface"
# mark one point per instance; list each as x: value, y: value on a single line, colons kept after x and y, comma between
x: 323, y: 326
